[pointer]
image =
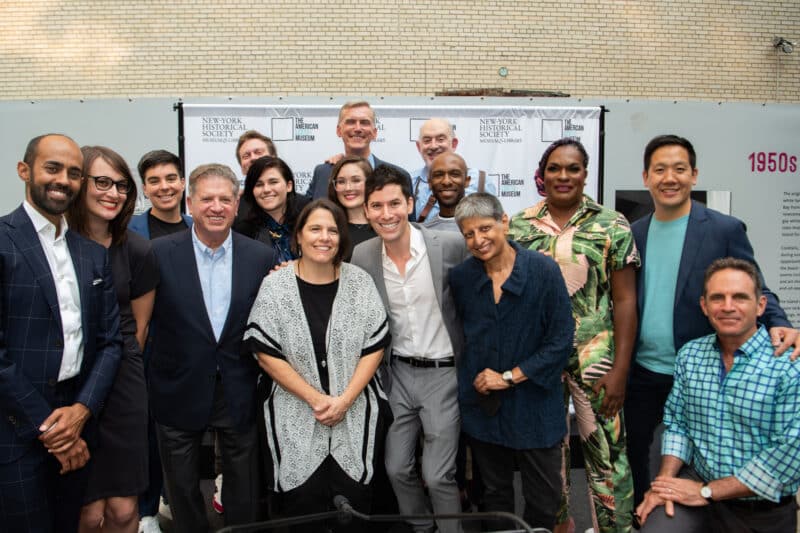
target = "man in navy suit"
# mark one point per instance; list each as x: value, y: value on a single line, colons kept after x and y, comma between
x: 198, y: 376
x: 357, y: 129
x: 677, y: 243
x: 59, y: 344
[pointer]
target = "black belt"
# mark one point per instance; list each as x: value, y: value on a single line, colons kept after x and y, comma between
x: 427, y: 363
x: 759, y: 505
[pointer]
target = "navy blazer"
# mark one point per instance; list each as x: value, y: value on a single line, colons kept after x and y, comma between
x: 31, y: 337
x: 140, y: 225
x: 186, y: 355
x: 318, y: 188
x: 710, y: 235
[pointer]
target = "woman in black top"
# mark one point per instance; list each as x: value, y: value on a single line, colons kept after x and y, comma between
x: 119, y: 464
x: 271, y: 205
x: 346, y: 189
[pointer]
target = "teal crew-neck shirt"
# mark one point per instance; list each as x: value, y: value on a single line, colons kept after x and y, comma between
x: 656, y: 349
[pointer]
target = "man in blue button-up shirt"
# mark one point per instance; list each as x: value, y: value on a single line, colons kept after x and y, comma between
x: 518, y: 330
x: 732, y: 441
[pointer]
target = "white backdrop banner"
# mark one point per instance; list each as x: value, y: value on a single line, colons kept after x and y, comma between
x: 505, y: 142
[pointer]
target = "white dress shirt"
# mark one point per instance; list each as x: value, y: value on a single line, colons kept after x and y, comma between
x: 66, y: 281
x: 419, y: 329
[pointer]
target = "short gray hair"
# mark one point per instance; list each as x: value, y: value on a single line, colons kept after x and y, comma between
x: 479, y: 204
x: 213, y: 169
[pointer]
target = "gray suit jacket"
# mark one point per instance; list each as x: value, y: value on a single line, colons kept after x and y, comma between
x: 445, y: 250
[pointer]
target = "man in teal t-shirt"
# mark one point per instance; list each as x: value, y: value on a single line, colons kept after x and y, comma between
x: 677, y: 243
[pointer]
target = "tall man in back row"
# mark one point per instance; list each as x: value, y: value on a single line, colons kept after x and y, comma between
x: 59, y: 344
x: 357, y: 129
x: 732, y: 438
x: 677, y: 243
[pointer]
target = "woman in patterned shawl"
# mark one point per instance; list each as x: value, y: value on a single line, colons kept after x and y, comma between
x: 595, y: 249
x: 318, y: 328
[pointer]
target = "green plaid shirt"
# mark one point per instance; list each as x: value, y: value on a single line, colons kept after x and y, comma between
x: 744, y: 424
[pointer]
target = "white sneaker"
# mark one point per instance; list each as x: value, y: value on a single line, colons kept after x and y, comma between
x: 163, y: 509
x: 149, y: 524
x: 216, y: 500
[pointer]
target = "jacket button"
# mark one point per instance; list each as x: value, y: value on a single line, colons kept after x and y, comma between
x: 52, y: 382
x: 59, y: 343
x: 13, y: 420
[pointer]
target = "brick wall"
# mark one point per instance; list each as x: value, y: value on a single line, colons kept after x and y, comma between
x: 713, y: 50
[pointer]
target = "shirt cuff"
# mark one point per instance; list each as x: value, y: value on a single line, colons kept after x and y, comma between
x: 677, y: 445
x: 758, y: 479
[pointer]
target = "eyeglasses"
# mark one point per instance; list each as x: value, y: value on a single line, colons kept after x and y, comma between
x: 342, y: 183
x: 104, y: 183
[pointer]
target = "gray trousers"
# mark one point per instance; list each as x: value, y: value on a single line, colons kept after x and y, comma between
x: 180, y: 458
x: 722, y: 517
x: 424, y: 399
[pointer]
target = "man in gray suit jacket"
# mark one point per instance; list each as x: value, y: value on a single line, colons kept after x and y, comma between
x: 357, y: 129
x: 409, y: 265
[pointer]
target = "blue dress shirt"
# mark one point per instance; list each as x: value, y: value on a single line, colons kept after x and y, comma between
x: 531, y: 327
x: 215, y: 269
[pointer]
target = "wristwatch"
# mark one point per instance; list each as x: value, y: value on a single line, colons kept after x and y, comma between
x: 705, y: 492
x: 508, y: 377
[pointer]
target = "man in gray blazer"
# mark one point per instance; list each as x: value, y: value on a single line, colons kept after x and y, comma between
x: 409, y: 265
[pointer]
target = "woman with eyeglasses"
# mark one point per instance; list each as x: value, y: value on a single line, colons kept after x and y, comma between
x: 271, y: 205
x: 118, y: 467
x: 346, y: 189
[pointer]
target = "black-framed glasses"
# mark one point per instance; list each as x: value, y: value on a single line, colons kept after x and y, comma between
x: 104, y: 183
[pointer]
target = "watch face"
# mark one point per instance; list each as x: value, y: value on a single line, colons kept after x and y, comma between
x: 705, y: 492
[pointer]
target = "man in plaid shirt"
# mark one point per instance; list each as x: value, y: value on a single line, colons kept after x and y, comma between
x: 732, y: 443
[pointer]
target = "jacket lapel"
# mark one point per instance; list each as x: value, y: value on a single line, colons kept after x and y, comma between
x: 375, y: 269
x: 238, y: 273
x: 434, y: 248
x: 696, y: 230
x: 185, y: 267
x: 27, y: 241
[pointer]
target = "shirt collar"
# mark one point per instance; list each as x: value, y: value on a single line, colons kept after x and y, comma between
x: 540, y: 210
x: 515, y: 283
x: 417, y: 243
x: 41, y: 224
x: 208, y: 252
x: 757, y: 343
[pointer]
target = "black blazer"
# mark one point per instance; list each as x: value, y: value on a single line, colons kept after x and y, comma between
x: 185, y: 358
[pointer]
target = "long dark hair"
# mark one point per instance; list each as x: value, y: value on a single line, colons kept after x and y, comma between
x: 256, y: 216
x: 77, y: 215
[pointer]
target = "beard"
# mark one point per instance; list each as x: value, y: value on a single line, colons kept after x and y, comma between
x: 51, y: 206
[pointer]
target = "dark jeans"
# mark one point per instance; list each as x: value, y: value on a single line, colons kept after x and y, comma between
x: 644, y: 410
x: 540, y: 469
